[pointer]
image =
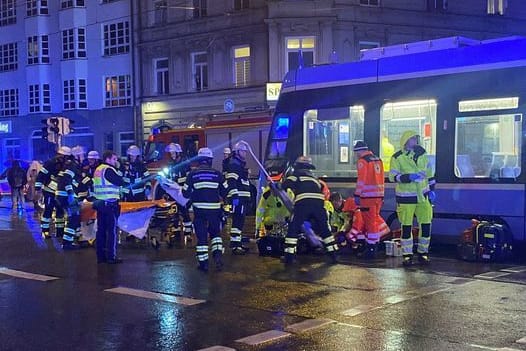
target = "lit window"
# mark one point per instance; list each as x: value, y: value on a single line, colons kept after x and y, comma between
x: 497, y: 7
x: 37, y: 49
x: 241, y: 66
x: 300, y: 52
x: 117, y: 91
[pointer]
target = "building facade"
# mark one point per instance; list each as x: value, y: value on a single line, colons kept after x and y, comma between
x: 68, y: 58
x: 199, y: 60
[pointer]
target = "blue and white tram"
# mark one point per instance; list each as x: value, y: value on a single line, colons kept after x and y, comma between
x: 465, y: 97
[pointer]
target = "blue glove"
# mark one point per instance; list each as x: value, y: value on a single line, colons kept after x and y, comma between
x: 432, y: 196
x: 357, y: 201
x: 235, y: 202
x: 414, y: 177
x: 71, y: 199
x: 147, y: 193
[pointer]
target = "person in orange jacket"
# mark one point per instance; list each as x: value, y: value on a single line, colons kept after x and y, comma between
x: 369, y: 195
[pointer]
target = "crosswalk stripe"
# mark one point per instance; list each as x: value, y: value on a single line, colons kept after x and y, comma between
x: 517, y: 269
x: 308, y: 324
x: 491, y: 275
x: 155, y: 296
x: 264, y: 337
x: 358, y: 310
x: 218, y: 348
x: 26, y: 275
x: 521, y: 341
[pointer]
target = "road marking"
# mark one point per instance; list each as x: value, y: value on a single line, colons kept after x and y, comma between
x: 491, y: 275
x: 521, y: 341
x: 459, y: 281
x: 25, y: 275
x: 264, y: 337
x: 308, y: 324
x: 156, y: 296
x: 517, y: 269
x: 218, y: 348
x: 358, y: 310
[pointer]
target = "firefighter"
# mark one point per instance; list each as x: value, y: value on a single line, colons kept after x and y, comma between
x: 205, y: 188
x: 47, y: 183
x: 178, y: 168
x: 136, y: 173
x: 369, y: 195
x: 415, y: 183
x: 68, y: 181
x: 308, y: 206
x: 227, y: 153
x: 88, y: 168
x: 107, y: 181
x: 238, y: 195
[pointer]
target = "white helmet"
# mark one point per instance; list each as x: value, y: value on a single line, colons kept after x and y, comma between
x: 205, y: 152
x: 173, y: 147
x: 227, y: 150
x: 241, y: 146
x: 134, y: 151
x: 64, y: 150
x: 93, y: 154
x: 77, y: 150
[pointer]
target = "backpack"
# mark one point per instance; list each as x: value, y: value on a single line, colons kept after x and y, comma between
x: 486, y: 241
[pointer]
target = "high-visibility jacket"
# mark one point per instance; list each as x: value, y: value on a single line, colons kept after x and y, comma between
x: 103, y: 188
x: 270, y: 209
x: 205, y: 188
x: 305, y: 186
x: 237, y: 179
x: 370, y: 181
x: 406, y: 162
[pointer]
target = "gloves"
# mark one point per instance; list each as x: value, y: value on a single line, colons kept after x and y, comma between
x: 357, y: 201
x: 414, y: 177
x: 71, y: 199
x: 432, y: 196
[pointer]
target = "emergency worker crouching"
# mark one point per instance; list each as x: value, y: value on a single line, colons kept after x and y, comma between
x: 369, y: 195
x: 308, y: 206
x: 415, y: 183
x: 206, y: 188
x: 271, y: 213
x: 238, y: 195
x: 136, y: 173
x: 47, y: 183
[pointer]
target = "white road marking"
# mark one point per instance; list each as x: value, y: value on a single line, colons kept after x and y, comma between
x: 156, y: 296
x: 308, y: 324
x: 517, y: 269
x: 25, y: 275
x: 358, y: 310
x: 521, y: 341
x: 491, y: 275
x: 218, y: 348
x: 264, y: 337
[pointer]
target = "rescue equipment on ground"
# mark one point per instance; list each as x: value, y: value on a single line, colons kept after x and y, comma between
x: 486, y: 241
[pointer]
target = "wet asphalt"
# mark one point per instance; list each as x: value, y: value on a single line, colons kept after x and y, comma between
x: 255, y: 303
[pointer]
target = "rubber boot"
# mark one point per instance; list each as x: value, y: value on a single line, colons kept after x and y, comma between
x: 408, y: 260
x: 203, y: 266
x: 370, y: 251
x: 331, y: 257
x: 218, y: 259
x: 289, y: 259
x: 423, y: 259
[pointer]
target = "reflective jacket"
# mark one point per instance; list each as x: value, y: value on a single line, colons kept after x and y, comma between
x: 136, y: 173
x: 47, y: 176
x: 205, y: 188
x: 305, y: 186
x: 237, y: 179
x: 370, y: 181
x: 270, y: 209
x: 106, y: 183
x: 406, y: 162
x: 178, y: 170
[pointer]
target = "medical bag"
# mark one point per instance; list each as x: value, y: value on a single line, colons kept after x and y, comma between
x: 486, y: 241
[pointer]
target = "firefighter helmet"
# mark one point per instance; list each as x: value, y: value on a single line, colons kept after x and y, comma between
x: 64, y: 150
x: 77, y: 150
x: 304, y: 162
x: 227, y: 151
x: 133, y: 150
x: 205, y: 152
x: 93, y: 155
x: 241, y: 146
x: 173, y: 147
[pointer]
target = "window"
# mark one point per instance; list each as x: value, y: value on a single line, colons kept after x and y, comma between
x: 200, y: 70
x: 116, y: 38
x: 8, y: 102
x: 37, y: 7
x: 12, y: 149
x: 117, y: 91
x: 497, y: 7
x: 37, y: 49
x: 488, y: 145
x: 279, y: 135
x: 126, y: 139
x: 398, y: 117
x: 300, y: 52
x: 241, y: 66
x: 7, y: 12
x: 199, y: 8
x: 73, y: 43
x: 39, y: 98
x: 367, y: 45
x: 161, y: 11
x: 437, y: 5
x: 329, y: 135
x: 370, y: 2
x: 66, y: 4
x: 108, y: 141
x: 162, y: 81
x: 8, y: 57
x: 107, y: 1
x: 75, y: 96
x: 241, y: 4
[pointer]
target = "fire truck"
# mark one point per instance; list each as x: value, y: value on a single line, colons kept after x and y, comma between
x: 216, y: 135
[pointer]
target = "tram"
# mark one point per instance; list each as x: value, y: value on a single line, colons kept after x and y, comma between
x: 465, y: 97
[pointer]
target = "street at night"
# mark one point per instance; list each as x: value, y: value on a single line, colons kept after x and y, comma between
x: 158, y: 300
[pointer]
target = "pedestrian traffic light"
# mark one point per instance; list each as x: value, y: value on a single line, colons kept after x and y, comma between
x: 53, y: 125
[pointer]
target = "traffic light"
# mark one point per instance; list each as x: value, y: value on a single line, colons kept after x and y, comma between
x: 53, y: 125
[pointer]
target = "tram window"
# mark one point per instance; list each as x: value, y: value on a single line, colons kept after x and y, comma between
x: 279, y: 135
x: 398, y: 117
x: 488, y: 146
x: 328, y: 138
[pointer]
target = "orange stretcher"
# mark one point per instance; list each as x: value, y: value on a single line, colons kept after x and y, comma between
x: 87, y: 212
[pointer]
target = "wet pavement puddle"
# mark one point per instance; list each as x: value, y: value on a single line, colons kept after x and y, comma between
x: 26, y: 275
x: 187, y: 301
